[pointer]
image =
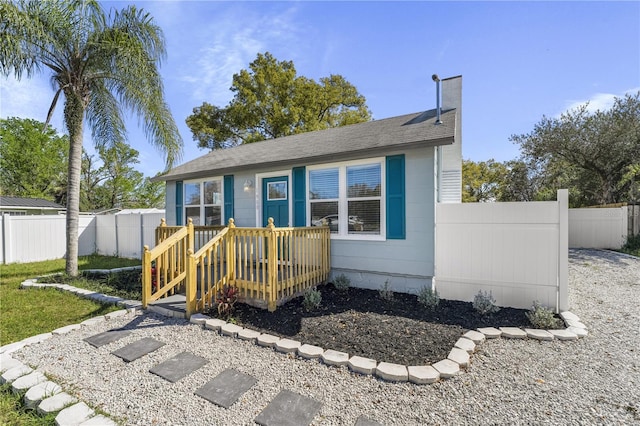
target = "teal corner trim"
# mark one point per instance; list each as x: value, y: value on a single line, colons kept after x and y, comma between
x: 299, y: 177
x: 395, y: 176
x: 179, y: 203
x: 228, y: 198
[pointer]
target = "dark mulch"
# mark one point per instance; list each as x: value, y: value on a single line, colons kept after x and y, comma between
x: 360, y: 323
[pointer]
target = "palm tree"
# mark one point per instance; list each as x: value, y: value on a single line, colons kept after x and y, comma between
x: 102, y: 64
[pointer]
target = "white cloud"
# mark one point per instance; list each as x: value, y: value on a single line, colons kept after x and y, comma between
x: 27, y: 98
x: 597, y: 102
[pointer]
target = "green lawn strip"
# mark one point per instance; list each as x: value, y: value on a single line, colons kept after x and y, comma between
x: 13, y: 412
x: 28, y: 312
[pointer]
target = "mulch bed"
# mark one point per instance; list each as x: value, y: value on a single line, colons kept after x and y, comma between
x: 360, y: 322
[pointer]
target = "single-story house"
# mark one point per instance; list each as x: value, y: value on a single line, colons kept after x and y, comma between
x: 375, y: 184
x: 22, y: 206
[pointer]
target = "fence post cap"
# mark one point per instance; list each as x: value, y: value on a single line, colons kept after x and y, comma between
x: 163, y: 222
x: 270, y: 224
x: 146, y: 247
x: 232, y: 223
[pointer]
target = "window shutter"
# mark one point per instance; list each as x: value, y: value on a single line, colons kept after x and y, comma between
x: 299, y: 196
x: 228, y: 198
x: 179, y: 203
x: 396, y: 228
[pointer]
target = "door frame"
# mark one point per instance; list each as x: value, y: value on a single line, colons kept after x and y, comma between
x: 259, y: 206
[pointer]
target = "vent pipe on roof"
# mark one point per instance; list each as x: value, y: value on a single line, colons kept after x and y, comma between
x: 436, y: 79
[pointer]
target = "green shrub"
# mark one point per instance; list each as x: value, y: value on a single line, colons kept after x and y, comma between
x: 312, y: 299
x: 632, y: 246
x: 542, y: 317
x: 484, y: 303
x: 385, y: 292
x: 428, y: 298
x: 341, y: 282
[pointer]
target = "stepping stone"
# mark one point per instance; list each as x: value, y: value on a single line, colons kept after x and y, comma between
x: 225, y: 389
x: 535, y: 333
x: 513, y: 333
x: 7, y: 362
x: 214, y: 324
x: 12, y: 374
x: 362, y: 365
x: 447, y: 368
x: 138, y: 349
x: 392, y: 372
x: 39, y: 392
x: 74, y: 415
x: 490, y: 332
x: 23, y: 383
x: 99, y: 420
x: 179, y: 366
x: 364, y: 421
x: 564, y: 334
x: 66, y: 329
x: 475, y: 336
x: 310, y: 351
x: 423, y: 374
x: 267, y: 340
x: 55, y: 403
x: 287, y: 345
x: 465, y: 344
x: 331, y: 357
x: 248, y: 334
x: 459, y: 356
x: 289, y: 409
x: 106, y: 337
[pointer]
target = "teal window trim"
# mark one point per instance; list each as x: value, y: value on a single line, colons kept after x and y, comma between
x: 395, y: 202
x: 228, y: 198
x: 299, y: 176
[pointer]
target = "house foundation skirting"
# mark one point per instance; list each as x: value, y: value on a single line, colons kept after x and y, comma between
x: 400, y: 283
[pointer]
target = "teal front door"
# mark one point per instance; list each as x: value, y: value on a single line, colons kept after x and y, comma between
x: 275, y: 201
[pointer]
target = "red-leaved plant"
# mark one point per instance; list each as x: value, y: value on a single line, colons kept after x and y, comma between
x: 225, y: 300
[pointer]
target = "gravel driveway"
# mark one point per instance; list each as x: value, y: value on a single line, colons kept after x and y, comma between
x: 595, y: 380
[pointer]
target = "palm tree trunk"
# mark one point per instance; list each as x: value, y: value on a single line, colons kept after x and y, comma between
x: 74, y: 113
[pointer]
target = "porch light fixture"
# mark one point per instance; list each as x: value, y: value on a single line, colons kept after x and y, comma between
x: 248, y: 185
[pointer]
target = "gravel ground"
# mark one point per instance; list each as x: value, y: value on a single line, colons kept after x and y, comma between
x: 595, y: 380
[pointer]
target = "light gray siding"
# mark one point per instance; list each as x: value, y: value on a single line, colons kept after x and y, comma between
x: 406, y: 264
x: 170, y: 203
x: 244, y: 203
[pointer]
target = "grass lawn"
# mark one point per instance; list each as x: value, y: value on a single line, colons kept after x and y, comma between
x: 27, y: 312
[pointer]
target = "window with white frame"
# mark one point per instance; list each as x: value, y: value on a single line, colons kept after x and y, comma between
x: 203, y: 202
x: 348, y: 198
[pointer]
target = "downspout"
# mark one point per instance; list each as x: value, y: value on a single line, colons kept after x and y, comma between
x: 438, y: 180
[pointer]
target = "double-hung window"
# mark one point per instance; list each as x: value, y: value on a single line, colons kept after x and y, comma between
x: 348, y: 197
x: 203, y: 202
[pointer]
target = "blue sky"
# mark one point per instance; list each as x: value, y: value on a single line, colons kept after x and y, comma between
x: 519, y: 60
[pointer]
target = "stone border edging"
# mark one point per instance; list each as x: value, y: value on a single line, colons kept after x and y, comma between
x: 458, y: 359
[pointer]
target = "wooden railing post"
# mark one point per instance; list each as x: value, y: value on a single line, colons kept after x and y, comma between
x: 191, y: 290
x: 146, y: 277
x: 160, y: 232
x: 191, y: 236
x: 231, y: 252
x: 272, y: 259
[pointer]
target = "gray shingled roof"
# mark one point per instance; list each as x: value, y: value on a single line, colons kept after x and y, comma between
x: 370, y: 138
x: 29, y: 203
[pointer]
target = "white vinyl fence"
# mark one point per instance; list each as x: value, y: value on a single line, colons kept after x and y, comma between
x: 603, y: 228
x: 516, y: 251
x: 35, y: 238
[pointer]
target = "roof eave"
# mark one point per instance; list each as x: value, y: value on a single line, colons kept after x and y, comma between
x: 449, y: 140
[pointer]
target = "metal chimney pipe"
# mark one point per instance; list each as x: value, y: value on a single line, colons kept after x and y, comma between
x: 436, y: 79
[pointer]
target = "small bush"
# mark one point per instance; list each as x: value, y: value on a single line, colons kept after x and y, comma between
x: 225, y: 301
x: 385, y: 292
x: 484, y: 303
x: 312, y: 299
x: 632, y: 246
x: 542, y: 317
x: 428, y: 298
x: 341, y: 282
